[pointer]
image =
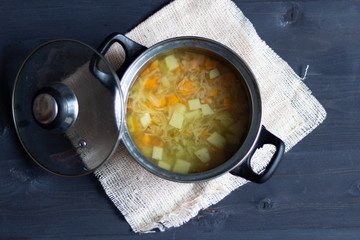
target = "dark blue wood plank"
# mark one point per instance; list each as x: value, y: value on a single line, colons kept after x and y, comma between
x: 313, y: 195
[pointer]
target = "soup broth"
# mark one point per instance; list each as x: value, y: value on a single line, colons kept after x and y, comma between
x: 188, y: 112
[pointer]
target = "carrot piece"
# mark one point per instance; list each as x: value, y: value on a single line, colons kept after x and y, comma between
x: 151, y: 83
x: 151, y: 105
x: 173, y: 99
x: 194, y: 64
x: 162, y: 102
x: 145, y: 72
x: 178, y: 69
x: 187, y: 133
x: 227, y: 102
x: 203, y: 132
x: 155, y: 102
x: 213, y: 149
x: 213, y: 93
x: 210, y: 64
x: 157, y: 142
x: 186, y: 87
x: 136, y: 126
x: 146, y: 139
x: 154, y: 65
x: 208, y: 101
x: 130, y: 105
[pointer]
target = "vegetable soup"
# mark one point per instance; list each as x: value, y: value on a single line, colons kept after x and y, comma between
x: 188, y: 112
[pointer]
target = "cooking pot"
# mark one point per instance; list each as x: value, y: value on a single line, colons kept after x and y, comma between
x: 85, y: 119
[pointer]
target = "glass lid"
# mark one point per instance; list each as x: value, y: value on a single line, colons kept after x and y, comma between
x: 67, y: 107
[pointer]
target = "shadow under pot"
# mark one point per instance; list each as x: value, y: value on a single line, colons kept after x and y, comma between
x: 192, y: 109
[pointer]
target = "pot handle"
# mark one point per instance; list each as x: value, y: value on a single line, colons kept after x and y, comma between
x: 245, y: 170
x: 132, y: 51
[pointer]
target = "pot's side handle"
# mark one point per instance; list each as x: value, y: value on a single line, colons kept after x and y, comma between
x: 131, y: 48
x: 245, y: 170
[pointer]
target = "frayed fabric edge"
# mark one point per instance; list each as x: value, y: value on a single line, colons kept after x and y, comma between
x: 305, y: 73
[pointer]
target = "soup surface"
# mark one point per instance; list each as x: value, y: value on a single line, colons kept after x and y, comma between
x: 188, y: 112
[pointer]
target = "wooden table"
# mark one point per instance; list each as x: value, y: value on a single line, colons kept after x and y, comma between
x: 315, y: 193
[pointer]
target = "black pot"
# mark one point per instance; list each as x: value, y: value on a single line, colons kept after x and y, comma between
x: 137, y: 56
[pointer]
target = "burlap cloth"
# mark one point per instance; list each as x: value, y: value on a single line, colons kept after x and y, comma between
x: 289, y: 111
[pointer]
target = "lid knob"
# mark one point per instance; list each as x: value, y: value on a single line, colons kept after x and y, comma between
x: 55, y: 106
x: 45, y: 108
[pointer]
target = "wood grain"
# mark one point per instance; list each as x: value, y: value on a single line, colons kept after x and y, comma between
x: 315, y: 193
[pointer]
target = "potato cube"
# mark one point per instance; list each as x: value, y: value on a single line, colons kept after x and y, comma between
x: 193, y: 114
x: 203, y: 155
x: 214, y: 73
x: 164, y: 165
x: 206, y: 109
x: 194, y: 104
x: 157, y: 153
x: 145, y: 120
x: 176, y: 120
x: 217, y: 140
x: 180, y: 108
x: 181, y: 166
x: 171, y: 62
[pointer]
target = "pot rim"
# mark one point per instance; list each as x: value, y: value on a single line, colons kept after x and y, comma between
x: 222, y: 51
